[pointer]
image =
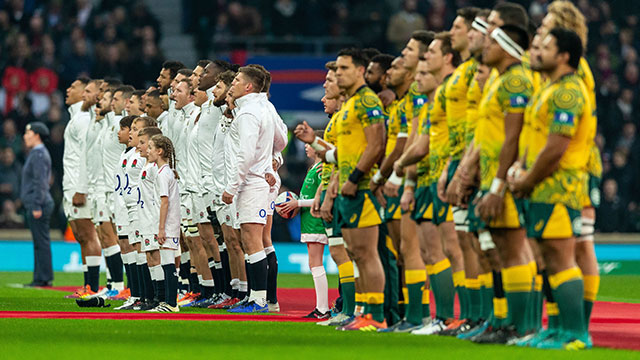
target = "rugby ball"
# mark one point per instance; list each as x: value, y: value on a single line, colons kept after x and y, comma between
x: 281, y: 200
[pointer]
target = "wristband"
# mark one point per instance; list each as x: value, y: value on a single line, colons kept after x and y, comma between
x: 305, y: 203
x: 316, y: 146
x: 409, y: 183
x: 330, y: 156
x: 498, y: 187
x: 377, y: 178
x: 356, y: 175
x: 395, y: 179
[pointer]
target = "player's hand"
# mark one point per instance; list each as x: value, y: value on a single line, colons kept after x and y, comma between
x: 490, y: 206
x: 271, y: 180
x: 387, y: 96
x: 37, y: 214
x: 451, y: 192
x: 79, y: 199
x: 227, y: 198
x: 520, y: 187
x: 397, y: 168
x: 326, y: 210
x: 373, y: 186
x: 315, y: 207
x: 442, y: 186
x: 408, y: 199
x: 289, y: 206
x: 349, y: 189
x: 332, y: 190
x: 162, y: 237
x: 380, y: 196
x: 304, y: 133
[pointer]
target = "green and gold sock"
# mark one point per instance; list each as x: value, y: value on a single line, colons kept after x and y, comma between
x: 375, y: 305
x: 426, y: 311
x: 461, y: 290
x: 475, y: 298
x: 537, y: 295
x: 443, y: 289
x: 486, y: 280
x: 348, y: 286
x: 591, y: 286
x: 415, y: 280
x: 568, y: 291
x: 517, y: 282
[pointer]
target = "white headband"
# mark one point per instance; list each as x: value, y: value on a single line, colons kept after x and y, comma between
x: 480, y: 25
x: 507, y: 44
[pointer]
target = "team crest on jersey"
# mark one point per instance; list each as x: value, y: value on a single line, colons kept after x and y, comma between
x: 137, y: 233
x: 124, y: 162
x: 228, y: 218
x: 147, y: 242
x: 144, y: 175
x: 101, y: 213
x: 134, y: 163
x: 201, y: 214
x: 188, y: 212
x: 75, y: 211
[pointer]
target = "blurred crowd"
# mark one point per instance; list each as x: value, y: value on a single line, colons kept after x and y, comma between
x: 45, y: 44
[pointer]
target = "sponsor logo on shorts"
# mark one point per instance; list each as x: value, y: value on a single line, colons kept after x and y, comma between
x: 273, y: 205
x: 75, y: 210
x: 577, y: 225
x: 101, y: 213
x: 262, y: 213
x: 539, y: 225
x: 175, y: 240
x: 353, y: 219
x: 441, y: 212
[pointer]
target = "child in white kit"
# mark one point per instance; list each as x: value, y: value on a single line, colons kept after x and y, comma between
x: 162, y: 153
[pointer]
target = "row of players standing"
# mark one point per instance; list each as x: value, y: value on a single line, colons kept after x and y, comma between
x: 215, y: 128
x: 489, y: 176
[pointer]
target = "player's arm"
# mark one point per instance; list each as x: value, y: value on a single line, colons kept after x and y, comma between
x: 374, y: 134
x: 386, y: 168
x: 247, y: 143
x: 416, y: 152
x: 164, y: 210
x: 408, y: 198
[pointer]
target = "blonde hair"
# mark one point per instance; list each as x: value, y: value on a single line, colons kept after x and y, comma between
x: 567, y: 15
x: 168, y: 151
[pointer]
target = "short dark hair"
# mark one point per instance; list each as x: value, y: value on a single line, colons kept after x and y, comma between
x: 173, y: 67
x: 424, y: 38
x: 483, y: 13
x: 468, y: 13
x: 186, y: 72
x: 512, y: 14
x: 154, y: 94
x: 518, y: 34
x: 370, y: 53
x: 126, y: 90
x: 384, y: 60
x: 357, y: 56
x: 447, y: 48
x: 112, y: 83
x: 568, y: 41
x: 235, y: 68
x: 138, y: 93
x: 224, y: 65
x: 227, y: 77
x: 84, y: 80
x: 127, y: 121
x: 267, y: 77
x: 203, y: 63
x: 255, y: 76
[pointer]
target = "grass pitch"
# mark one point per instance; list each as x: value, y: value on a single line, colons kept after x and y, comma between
x: 163, y: 339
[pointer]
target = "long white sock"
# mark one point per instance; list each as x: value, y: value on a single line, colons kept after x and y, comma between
x: 322, y: 288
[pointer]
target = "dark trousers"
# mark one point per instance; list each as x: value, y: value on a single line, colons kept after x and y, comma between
x: 42, y: 263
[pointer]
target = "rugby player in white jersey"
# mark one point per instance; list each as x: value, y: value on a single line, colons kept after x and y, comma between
x: 81, y: 95
x: 248, y: 188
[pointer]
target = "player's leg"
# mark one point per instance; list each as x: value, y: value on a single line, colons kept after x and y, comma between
x: 414, y: 271
x: 112, y: 255
x: 315, y: 249
x: 251, y: 238
x: 157, y: 276
x: 272, y: 266
x: 587, y: 261
x: 451, y: 247
x: 88, y: 239
x: 212, y: 252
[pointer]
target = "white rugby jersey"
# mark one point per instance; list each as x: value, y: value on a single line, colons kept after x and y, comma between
x: 74, y: 109
x: 206, y: 138
x: 193, y: 173
x: 132, y: 171
x: 94, y: 151
x: 167, y: 186
x: 280, y: 138
x: 74, y: 165
x: 254, y: 142
x: 111, y: 151
x: 122, y: 186
x: 179, y: 131
x: 221, y: 159
x: 149, y: 205
x: 163, y: 123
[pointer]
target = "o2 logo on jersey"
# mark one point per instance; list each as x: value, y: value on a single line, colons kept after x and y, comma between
x: 262, y: 213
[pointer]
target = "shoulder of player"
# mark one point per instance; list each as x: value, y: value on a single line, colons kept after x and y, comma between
x: 514, y: 80
x: 568, y: 93
x: 367, y: 99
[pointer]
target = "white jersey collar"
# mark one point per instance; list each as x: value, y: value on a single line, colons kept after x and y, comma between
x: 248, y: 99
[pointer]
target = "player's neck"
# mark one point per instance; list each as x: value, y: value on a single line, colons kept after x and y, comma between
x: 465, y: 54
x: 506, y: 63
x: 560, y: 71
x: 352, y: 90
x: 161, y: 162
x: 445, y: 71
x: 403, y: 88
